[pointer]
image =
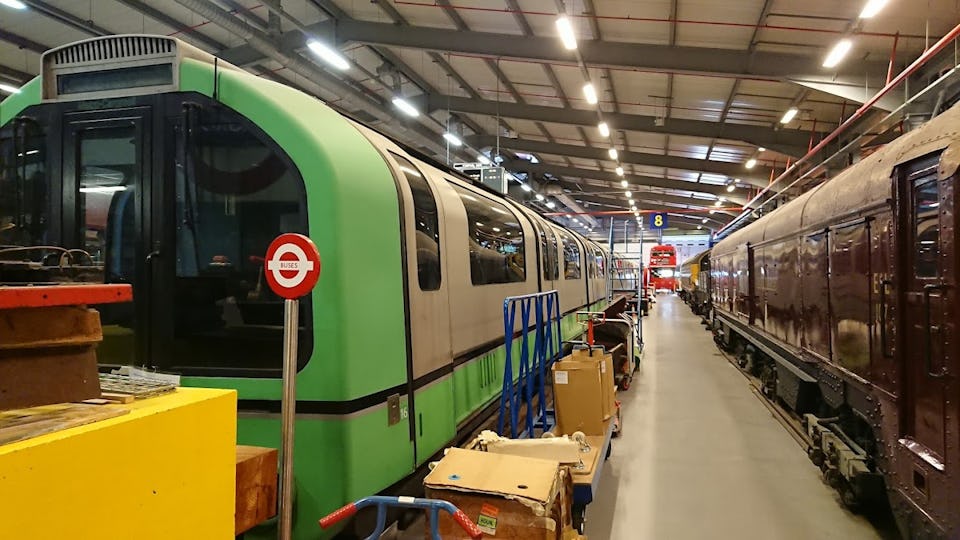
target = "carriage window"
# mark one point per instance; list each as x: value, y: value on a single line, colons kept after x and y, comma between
x: 549, y: 254
x: 926, y: 210
x: 571, y: 257
x: 496, y: 240
x: 234, y: 195
x: 24, y: 212
x: 428, y: 228
x: 601, y: 262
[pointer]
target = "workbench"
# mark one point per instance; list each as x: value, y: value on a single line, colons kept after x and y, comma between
x: 163, y: 469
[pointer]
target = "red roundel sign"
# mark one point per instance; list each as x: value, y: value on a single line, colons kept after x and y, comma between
x: 292, y: 265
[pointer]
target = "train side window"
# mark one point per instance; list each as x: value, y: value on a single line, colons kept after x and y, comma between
x: 926, y: 238
x: 571, y: 257
x: 428, y: 227
x: 601, y: 262
x: 24, y: 186
x: 550, y: 254
x: 496, y: 240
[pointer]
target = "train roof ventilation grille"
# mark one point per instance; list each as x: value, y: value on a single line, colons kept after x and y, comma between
x: 112, y: 49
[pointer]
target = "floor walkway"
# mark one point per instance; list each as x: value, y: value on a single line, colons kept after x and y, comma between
x: 701, y: 458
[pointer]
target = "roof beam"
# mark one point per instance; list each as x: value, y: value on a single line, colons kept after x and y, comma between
x: 57, y: 14
x: 634, y: 181
x: 163, y: 18
x: 15, y: 75
x: 694, y: 60
x: 22, y: 42
x: 758, y: 176
x: 787, y: 141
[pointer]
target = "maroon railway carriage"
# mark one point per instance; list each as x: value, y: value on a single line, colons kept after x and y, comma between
x: 844, y: 301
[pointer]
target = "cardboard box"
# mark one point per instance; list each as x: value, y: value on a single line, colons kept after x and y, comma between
x: 508, y: 496
x: 578, y: 397
x: 605, y: 359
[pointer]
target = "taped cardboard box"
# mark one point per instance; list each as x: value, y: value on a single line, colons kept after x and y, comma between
x: 605, y: 359
x: 508, y: 496
x: 578, y: 397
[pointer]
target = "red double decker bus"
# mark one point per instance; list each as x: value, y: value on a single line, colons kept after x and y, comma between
x: 663, y: 268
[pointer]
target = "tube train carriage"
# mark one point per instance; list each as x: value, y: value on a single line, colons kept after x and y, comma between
x: 695, y: 282
x: 173, y: 172
x: 844, y: 302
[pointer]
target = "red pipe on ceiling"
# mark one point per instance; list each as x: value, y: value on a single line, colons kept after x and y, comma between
x: 909, y: 70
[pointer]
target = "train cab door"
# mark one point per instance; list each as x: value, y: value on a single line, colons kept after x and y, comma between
x: 106, y: 166
x: 928, y: 336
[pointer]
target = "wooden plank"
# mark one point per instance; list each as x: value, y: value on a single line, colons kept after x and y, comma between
x: 45, y: 376
x: 119, y: 398
x: 256, y: 497
x: 35, y: 328
x: 21, y: 424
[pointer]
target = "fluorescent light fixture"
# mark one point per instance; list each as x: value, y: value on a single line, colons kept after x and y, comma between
x: 17, y: 4
x: 590, y: 93
x: 718, y: 203
x: 704, y: 220
x: 102, y: 189
x: 761, y: 149
x: 452, y: 139
x: 526, y: 188
x: 837, y: 53
x: 789, y: 115
x: 6, y: 87
x: 551, y: 204
x: 751, y: 163
x: 634, y: 208
x: 575, y: 220
x: 613, y: 153
x: 540, y: 197
x: 619, y: 171
x: 628, y: 194
x: 604, y: 129
x: 624, y: 183
x: 326, y: 54
x: 484, y: 159
x: 479, y: 224
x: 636, y: 214
x: 730, y: 188
x: 699, y: 227
x: 406, y: 107
x: 566, y: 33
x: 630, y: 200
x: 872, y: 8
x: 723, y: 199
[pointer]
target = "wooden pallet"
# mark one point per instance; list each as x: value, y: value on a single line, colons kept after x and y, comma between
x: 22, y: 424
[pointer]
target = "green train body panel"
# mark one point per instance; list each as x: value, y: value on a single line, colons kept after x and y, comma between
x: 350, y: 194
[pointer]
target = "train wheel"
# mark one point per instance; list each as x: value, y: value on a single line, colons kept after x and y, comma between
x: 579, y: 517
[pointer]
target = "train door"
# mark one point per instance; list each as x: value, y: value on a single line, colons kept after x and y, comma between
x: 106, y: 198
x: 430, y: 404
x: 928, y: 330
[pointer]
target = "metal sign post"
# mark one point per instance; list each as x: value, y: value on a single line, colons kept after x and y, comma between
x: 292, y: 270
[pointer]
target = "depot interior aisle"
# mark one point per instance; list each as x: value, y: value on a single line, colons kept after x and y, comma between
x: 701, y: 457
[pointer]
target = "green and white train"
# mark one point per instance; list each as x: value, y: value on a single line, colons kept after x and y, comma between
x: 173, y: 172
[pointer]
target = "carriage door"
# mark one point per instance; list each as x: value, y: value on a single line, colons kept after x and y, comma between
x: 106, y: 170
x: 928, y: 271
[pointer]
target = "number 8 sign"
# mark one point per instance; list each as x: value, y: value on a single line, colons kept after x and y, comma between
x: 658, y: 221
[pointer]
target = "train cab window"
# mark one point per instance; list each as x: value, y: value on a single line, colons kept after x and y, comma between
x: 571, y: 257
x: 926, y: 210
x: 108, y: 171
x: 496, y: 240
x: 234, y: 194
x: 24, y: 186
x: 428, y: 228
x: 601, y: 262
x: 550, y: 255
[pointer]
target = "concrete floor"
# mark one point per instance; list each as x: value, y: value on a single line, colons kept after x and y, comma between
x: 701, y: 458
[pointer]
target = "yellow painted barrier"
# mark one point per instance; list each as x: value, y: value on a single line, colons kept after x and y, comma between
x: 165, y: 470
